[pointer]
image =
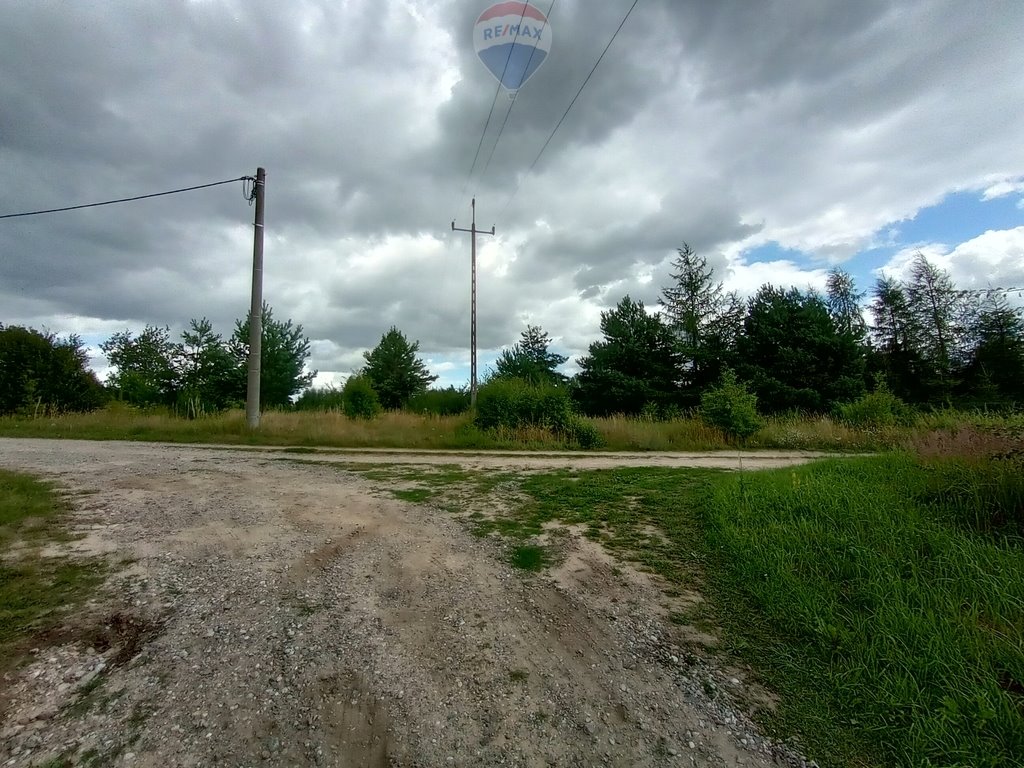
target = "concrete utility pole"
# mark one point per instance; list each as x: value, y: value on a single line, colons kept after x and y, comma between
x: 252, y: 395
x: 472, y: 333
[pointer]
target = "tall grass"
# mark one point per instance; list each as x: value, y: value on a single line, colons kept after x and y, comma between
x: 891, y: 629
x: 412, y: 430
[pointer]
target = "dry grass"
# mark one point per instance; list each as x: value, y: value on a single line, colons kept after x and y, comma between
x: 944, y: 431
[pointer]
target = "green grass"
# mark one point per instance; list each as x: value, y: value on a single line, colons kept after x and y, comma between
x: 35, y: 592
x: 895, y: 635
x: 888, y: 619
x: 529, y: 557
x: 414, y: 495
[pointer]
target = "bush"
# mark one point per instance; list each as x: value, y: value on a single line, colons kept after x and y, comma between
x: 328, y: 398
x: 880, y: 408
x: 440, y: 402
x: 584, y: 434
x: 360, y: 400
x: 731, y: 407
x: 514, y: 403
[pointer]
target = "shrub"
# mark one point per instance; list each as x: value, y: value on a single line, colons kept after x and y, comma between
x: 584, y: 434
x: 440, y: 402
x: 731, y: 407
x: 880, y: 408
x: 514, y: 403
x: 360, y: 400
x: 327, y: 398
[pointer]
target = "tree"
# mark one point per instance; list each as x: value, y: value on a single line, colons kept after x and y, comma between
x: 996, y: 361
x: 896, y: 340
x: 209, y: 377
x: 38, y: 371
x: 144, y: 367
x: 359, y: 399
x: 530, y: 360
x: 704, y: 319
x: 636, y: 364
x: 731, y: 407
x: 283, y: 357
x: 794, y: 355
x: 938, y: 310
x: 844, y: 304
x: 394, y: 370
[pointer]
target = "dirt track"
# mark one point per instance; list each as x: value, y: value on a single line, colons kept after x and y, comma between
x: 272, y: 613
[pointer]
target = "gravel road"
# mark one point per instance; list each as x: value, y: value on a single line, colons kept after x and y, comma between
x: 267, y: 613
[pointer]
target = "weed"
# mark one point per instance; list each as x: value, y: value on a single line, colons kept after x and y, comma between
x: 518, y: 675
x: 529, y: 557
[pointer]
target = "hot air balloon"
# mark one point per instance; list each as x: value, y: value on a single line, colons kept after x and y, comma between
x: 512, y: 39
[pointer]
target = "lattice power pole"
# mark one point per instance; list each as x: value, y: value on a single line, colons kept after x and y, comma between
x: 473, y: 231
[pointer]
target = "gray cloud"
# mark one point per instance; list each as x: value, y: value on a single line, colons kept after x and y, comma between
x: 726, y: 124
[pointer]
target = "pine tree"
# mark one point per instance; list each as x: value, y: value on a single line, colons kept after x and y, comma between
x: 704, y: 319
x: 394, y: 370
x: 530, y: 359
x: 844, y: 303
x: 283, y: 355
x: 636, y: 365
x: 894, y: 338
x: 996, y: 360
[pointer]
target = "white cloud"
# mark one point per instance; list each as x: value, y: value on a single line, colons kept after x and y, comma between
x: 994, y: 259
x: 1002, y: 188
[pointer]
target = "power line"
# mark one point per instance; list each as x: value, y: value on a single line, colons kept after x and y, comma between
x: 512, y: 103
x: 126, y: 199
x: 494, y: 101
x: 569, y: 108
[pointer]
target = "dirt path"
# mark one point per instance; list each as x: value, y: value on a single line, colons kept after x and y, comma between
x: 270, y: 613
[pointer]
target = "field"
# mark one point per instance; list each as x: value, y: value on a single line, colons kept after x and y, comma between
x: 854, y: 611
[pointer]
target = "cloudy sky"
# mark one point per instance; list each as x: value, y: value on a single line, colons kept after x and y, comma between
x: 776, y: 137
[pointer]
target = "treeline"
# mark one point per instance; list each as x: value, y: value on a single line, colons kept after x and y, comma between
x: 201, y: 373
x: 927, y: 343
x: 921, y: 342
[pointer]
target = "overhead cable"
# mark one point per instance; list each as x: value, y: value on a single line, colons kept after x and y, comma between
x: 125, y: 199
x: 569, y: 108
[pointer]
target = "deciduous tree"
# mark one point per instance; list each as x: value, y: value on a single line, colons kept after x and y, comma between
x: 143, y: 366
x: 40, y: 372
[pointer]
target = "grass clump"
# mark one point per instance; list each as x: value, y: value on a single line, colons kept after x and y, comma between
x: 529, y: 557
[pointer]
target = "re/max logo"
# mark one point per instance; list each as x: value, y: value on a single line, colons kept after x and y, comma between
x: 522, y: 30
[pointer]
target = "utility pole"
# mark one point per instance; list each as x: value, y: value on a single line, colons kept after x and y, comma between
x: 252, y: 395
x: 472, y: 333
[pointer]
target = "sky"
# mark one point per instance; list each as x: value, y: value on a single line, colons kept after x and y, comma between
x: 778, y: 138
